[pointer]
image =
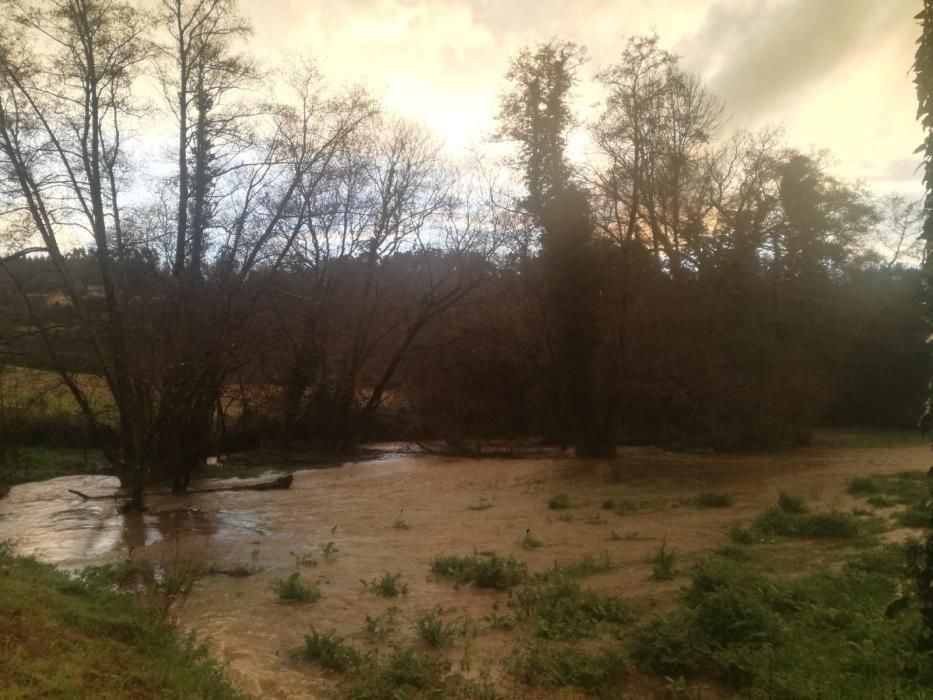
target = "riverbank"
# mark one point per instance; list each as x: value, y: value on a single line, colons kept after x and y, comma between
x: 62, y: 637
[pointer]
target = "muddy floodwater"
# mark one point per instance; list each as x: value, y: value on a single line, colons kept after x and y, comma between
x: 394, y: 514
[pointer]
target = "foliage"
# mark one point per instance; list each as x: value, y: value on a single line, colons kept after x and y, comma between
x: 561, y: 609
x: 68, y: 632
x: 296, y: 590
x: 663, y: 563
x: 331, y: 651
x: 433, y: 630
x: 824, y: 634
x: 600, y: 674
x: 485, y: 571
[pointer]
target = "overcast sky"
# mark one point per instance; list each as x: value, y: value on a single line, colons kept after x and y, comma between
x: 835, y: 73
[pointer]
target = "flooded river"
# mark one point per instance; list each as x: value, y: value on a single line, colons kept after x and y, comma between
x: 394, y: 514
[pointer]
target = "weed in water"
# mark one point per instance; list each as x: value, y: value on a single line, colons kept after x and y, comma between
x: 587, y: 566
x: 433, y: 630
x: 662, y: 564
x: 296, y: 590
x: 303, y: 559
x: 560, y: 502
x: 561, y: 609
x: 713, y: 500
x: 498, y: 622
x: 483, y: 504
x: 389, y: 586
x: 601, y: 673
x: 403, y: 673
x: 791, y: 504
x: 401, y: 525
x: 620, y: 506
x: 382, y: 626
x: 329, y: 550
x: 917, y: 515
x: 331, y: 651
x: 500, y: 573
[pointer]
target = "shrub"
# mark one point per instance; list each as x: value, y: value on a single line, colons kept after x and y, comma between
x: 864, y: 486
x: 331, y: 651
x: 294, y: 589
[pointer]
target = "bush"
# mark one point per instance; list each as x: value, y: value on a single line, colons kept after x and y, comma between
x: 294, y: 589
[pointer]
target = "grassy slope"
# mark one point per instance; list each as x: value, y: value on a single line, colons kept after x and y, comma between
x: 63, y: 639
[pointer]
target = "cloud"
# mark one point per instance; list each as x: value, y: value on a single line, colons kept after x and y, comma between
x: 759, y: 53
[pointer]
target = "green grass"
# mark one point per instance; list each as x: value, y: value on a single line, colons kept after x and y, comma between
x: 294, y: 590
x: 388, y: 586
x: 405, y: 672
x: 484, y: 571
x: 902, y: 489
x: 41, y: 463
x: 75, y: 638
x: 587, y: 566
x: 561, y: 609
x: 823, y: 634
x: 599, y: 673
x: 560, y: 502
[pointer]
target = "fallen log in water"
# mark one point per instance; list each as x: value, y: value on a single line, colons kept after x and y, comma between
x: 281, y: 482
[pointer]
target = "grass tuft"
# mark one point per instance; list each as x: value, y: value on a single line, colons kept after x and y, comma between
x: 486, y: 571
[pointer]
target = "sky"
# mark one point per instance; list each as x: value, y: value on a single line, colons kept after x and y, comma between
x: 834, y: 73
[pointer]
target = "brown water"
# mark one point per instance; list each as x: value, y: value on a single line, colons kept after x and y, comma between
x: 356, y: 506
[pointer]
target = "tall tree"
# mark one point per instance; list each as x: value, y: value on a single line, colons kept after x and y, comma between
x: 536, y: 113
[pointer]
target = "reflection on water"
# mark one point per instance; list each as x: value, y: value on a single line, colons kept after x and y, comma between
x: 45, y: 520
